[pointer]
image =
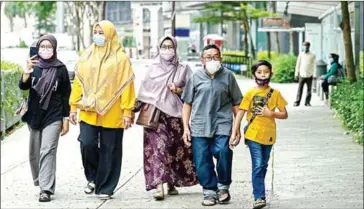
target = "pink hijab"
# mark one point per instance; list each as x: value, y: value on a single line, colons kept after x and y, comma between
x: 154, y: 89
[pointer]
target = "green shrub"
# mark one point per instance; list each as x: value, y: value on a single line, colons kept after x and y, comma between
x: 263, y: 55
x: 347, y: 100
x: 5, y: 66
x: 233, y: 53
x: 283, y: 68
x: 361, y: 64
x: 11, y: 97
x: 22, y: 44
x: 234, y: 59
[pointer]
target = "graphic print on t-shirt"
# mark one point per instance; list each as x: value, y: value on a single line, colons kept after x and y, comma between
x: 257, y: 101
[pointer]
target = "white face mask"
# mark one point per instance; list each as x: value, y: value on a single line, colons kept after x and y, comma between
x: 45, y: 54
x: 167, y: 55
x: 213, y: 66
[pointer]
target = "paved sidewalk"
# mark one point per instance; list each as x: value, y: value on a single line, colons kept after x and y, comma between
x: 315, y: 166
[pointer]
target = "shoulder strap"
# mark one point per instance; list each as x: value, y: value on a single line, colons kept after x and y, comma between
x: 266, y: 98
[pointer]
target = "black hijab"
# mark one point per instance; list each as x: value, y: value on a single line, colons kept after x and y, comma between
x: 49, y: 67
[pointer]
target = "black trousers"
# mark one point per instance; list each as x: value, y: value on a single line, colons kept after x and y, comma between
x: 101, y: 150
x: 325, y: 88
x: 301, y: 83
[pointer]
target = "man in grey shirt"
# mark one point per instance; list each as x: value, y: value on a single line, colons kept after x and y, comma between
x: 212, y: 95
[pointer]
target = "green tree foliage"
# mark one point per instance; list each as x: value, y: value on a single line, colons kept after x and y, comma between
x: 219, y: 12
x: 43, y: 10
x: 11, y: 12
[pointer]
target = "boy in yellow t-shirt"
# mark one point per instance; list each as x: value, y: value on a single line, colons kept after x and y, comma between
x: 260, y: 133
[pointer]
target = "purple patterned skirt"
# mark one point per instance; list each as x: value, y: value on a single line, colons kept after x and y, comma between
x: 166, y: 158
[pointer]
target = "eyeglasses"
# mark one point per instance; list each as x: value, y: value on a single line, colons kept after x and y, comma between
x: 164, y: 47
x: 46, y: 47
x: 216, y: 58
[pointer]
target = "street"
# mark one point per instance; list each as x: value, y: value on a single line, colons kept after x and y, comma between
x: 314, y: 164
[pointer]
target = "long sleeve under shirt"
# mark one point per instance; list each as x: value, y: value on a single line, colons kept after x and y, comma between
x: 58, y: 105
x: 306, y: 65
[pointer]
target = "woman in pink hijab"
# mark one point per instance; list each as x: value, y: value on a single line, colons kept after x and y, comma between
x: 166, y: 158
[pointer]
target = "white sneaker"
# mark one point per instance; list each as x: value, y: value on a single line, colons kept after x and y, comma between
x: 104, y: 196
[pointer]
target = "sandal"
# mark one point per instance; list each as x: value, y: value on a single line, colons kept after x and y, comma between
x: 172, y: 190
x: 259, y: 203
x: 209, y: 201
x: 90, y: 188
x: 224, y: 196
x: 159, y: 194
x: 44, y: 196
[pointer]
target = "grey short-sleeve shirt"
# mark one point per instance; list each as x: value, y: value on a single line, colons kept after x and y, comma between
x: 212, y: 101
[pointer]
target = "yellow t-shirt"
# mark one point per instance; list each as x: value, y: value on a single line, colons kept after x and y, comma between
x: 263, y: 129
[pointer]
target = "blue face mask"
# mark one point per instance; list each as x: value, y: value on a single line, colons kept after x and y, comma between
x: 99, y: 40
x: 331, y: 60
x: 303, y: 48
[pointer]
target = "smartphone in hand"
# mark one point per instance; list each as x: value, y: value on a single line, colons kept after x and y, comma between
x: 33, y: 51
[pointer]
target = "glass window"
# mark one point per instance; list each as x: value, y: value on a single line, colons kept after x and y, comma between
x: 146, y: 15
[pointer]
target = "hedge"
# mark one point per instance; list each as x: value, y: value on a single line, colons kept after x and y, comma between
x: 284, y: 68
x: 361, y: 64
x: 347, y: 100
x: 11, y: 95
x: 283, y: 65
x: 263, y: 55
x: 234, y: 61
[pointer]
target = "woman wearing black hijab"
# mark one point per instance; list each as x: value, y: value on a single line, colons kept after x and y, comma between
x: 330, y: 78
x: 49, y: 87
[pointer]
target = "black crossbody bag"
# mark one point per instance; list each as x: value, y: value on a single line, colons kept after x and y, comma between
x: 266, y: 98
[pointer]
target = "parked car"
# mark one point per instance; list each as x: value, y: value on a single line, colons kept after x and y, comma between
x: 69, y: 58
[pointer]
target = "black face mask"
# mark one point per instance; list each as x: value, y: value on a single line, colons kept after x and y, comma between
x: 262, y: 82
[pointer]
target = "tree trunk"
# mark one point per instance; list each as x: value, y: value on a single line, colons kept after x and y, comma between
x: 173, y: 23
x: 77, y: 29
x: 11, y: 20
x: 345, y: 27
x: 269, y: 44
x: 25, y: 21
x: 276, y: 33
x: 246, y: 31
x: 101, y: 11
x: 252, y: 47
x: 291, y: 43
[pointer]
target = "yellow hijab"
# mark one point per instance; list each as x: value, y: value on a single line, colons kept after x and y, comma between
x: 103, y: 72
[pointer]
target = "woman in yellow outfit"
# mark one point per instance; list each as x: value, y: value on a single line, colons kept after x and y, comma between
x: 103, y: 91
